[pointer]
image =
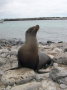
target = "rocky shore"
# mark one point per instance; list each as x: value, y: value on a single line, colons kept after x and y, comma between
x: 27, y: 79
x: 38, y: 18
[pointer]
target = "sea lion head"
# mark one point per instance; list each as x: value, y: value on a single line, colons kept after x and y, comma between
x: 32, y: 31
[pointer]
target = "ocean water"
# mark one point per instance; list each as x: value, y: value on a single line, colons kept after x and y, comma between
x: 53, y: 30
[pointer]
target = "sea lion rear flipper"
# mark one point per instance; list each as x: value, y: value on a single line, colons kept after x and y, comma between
x: 44, y: 60
x: 41, y: 72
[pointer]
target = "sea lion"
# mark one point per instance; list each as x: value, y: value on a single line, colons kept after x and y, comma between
x: 29, y: 55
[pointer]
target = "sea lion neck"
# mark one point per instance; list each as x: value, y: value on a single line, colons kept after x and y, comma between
x: 30, y: 35
x: 31, y: 44
x: 31, y: 40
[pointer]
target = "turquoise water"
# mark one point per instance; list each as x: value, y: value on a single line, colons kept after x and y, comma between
x: 54, y: 30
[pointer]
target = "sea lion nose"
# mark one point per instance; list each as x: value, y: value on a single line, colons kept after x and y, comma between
x: 36, y: 27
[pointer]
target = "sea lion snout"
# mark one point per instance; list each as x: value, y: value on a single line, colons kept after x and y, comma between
x: 36, y: 27
x: 32, y: 30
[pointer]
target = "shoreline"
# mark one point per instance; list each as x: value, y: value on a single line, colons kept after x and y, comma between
x: 15, y: 41
x: 38, y: 18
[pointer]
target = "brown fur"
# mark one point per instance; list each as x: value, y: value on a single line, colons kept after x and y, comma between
x: 28, y: 55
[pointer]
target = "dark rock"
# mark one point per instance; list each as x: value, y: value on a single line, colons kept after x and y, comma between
x: 42, y: 43
x: 4, y: 42
x: 49, y: 42
x: 65, y: 50
x: 60, y: 42
x: 61, y: 60
x: 15, y: 42
x: 53, y: 74
x: 59, y: 75
x: 2, y: 61
x: 0, y: 47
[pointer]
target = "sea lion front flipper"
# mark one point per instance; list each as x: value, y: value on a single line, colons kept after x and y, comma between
x: 18, y: 67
